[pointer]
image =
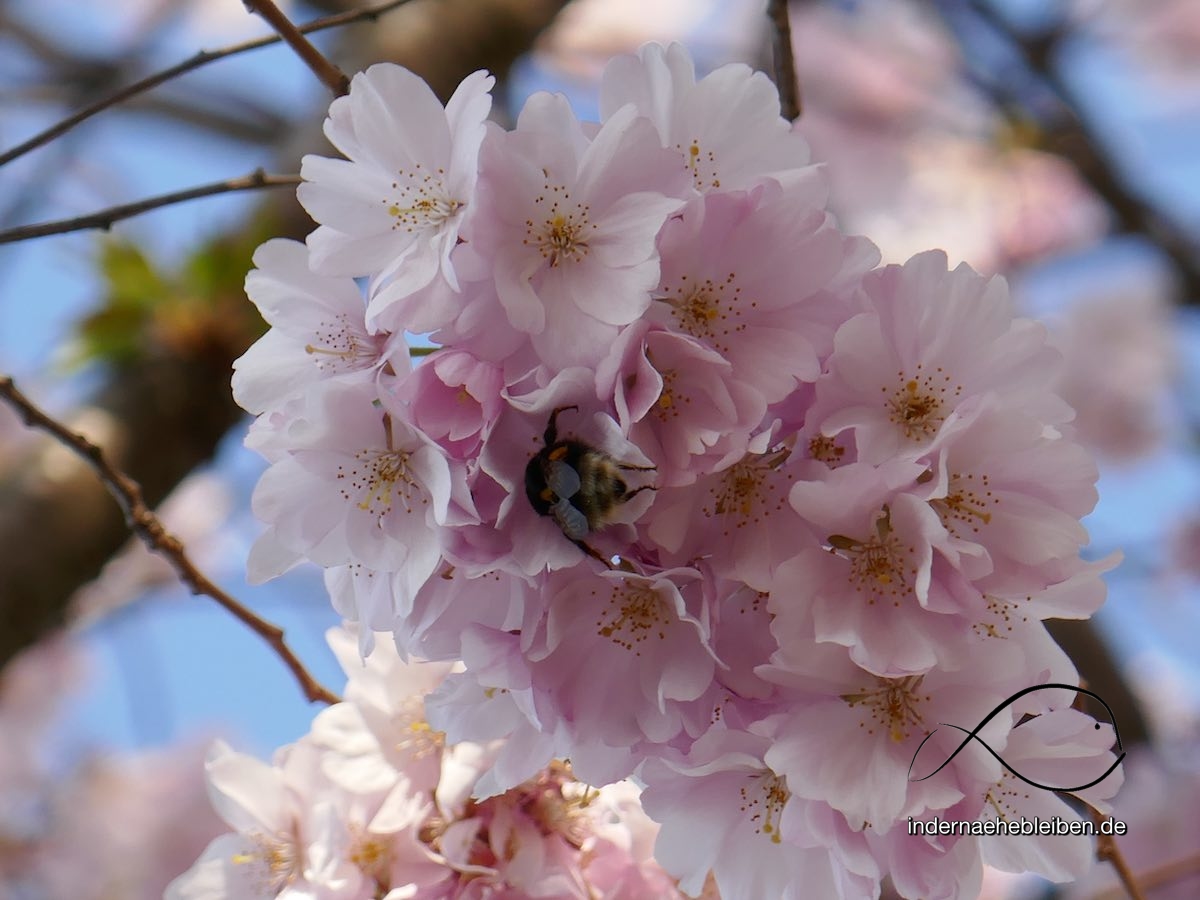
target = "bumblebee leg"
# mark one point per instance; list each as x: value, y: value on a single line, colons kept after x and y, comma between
x: 629, y: 467
x: 635, y: 491
x: 592, y: 553
x: 551, y: 435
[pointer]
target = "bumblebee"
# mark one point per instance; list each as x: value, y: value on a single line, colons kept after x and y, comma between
x: 577, y: 485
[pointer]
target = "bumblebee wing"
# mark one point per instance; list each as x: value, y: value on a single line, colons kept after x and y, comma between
x: 562, y: 479
x: 573, y: 523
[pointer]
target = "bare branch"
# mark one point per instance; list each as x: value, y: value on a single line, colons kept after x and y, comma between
x: 105, y: 218
x: 329, y: 74
x: 150, y: 529
x: 203, y: 58
x: 1075, y: 138
x: 784, y: 59
x: 1108, y: 851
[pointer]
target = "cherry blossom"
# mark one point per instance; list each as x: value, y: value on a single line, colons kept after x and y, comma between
x: 688, y: 489
x: 393, y: 210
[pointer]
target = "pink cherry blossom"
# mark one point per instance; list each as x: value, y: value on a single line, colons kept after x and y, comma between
x: 357, y: 486
x: 318, y: 330
x: 747, y: 275
x: 725, y: 127
x: 567, y: 225
x: 613, y: 634
x: 700, y: 418
x: 393, y: 210
x: 724, y: 810
x: 886, y: 579
x: 934, y: 343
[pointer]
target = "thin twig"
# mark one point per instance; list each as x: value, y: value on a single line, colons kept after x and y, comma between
x: 1079, y: 142
x: 1108, y: 851
x: 329, y: 74
x: 203, y: 58
x: 784, y: 60
x: 150, y: 529
x: 105, y: 218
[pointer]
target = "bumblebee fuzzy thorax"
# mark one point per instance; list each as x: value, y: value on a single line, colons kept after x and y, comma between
x: 580, y: 486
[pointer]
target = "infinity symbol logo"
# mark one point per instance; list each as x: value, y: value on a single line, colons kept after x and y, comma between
x: 974, y: 735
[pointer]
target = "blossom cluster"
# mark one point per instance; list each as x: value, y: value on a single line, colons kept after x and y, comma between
x: 372, y: 804
x: 695, y: 490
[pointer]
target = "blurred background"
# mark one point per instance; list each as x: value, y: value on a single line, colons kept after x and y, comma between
x: 1057, y: 143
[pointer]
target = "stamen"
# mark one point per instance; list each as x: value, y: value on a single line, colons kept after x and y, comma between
x: 920, y: 404
x: 564, y: 233
x: 633, y: 613
x: 965, y: 503
x: 878, y: 566
x: 769, y: 793
x: 893, y: 704
x: 378, y: 477
x: 422, y: 200
x: 702, y: 164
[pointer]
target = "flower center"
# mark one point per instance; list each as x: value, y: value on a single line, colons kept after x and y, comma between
x: 702, y: 164
x: 1001, y: 796
x: 920, y: 404
x: 708, y: 311
x: 965, y: 503
x: 274, y: 862
x: 421, y: 200
x: 416, y: 736
x: 1001, y: 614
x: 825, y: 449
x: 371, y: 853
x: 377, y: 478
x: 563, y: 233
x: 878, y: 566
x: 750, y: 490
x: 764, y: 798
x: 893, y: 705
x: 338, y: 346
x: 634, y: 613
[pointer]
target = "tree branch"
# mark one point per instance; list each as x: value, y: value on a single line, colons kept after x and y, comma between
x: 105, y: 218
x: 1108, y: 851
x: 329, y: 74
x: 1073, y: 138
x: 203, y: 58
x: 784, y: 59
x: 168, y: 407
x: 150, y: 529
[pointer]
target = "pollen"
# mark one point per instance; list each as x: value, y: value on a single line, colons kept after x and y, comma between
x: 701, y: 165
x: 826, y: 449
x: 416, y: 737
x: 919, y: 404
x: 564, y: 231
x: 671, y: 400
x: 710, y: 311
x: 420, y: 200
x: 272, y: 864
x: 371, y: 853
x: 1006, y: 796
x: 750, y: 491
x: 879, y: 566
x: 966, y: 504
x: 1000, y: 616
x: 378, y: 480
x: 892, y: 705
x: 338, y: 346
x: 634, y: 613
x: 764, y: 798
